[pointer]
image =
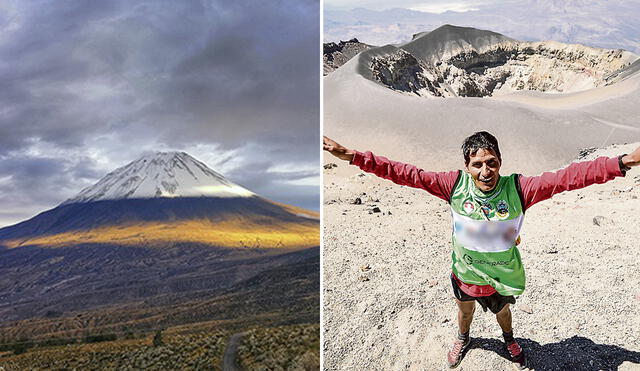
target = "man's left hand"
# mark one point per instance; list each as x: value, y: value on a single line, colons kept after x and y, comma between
x: 632, y: 159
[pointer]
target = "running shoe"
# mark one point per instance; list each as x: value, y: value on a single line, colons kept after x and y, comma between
x: 516, y: 354
x: 454, y: 357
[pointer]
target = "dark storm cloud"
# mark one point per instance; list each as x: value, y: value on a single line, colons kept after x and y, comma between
x: 39, y: 63
x: 253, y: 67
x: 31, y: 180
x: 85, y: 80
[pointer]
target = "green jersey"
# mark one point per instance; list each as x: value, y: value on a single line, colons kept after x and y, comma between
x: 486, y: 227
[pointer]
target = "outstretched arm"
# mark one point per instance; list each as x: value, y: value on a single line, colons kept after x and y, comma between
x: 575, y: 176
x: 438, y: 184
x: 337, y: 150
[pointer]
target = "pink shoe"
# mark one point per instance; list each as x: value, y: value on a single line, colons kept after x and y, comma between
x: 455, y: 355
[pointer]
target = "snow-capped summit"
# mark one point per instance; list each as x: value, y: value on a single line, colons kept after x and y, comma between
x: 163, y: 174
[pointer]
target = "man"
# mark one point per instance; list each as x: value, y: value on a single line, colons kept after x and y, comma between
x: 488, y: 211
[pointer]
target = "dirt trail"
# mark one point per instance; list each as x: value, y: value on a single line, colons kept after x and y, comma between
x: 229, y: 358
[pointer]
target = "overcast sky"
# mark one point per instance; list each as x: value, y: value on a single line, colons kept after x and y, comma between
x: 88, y: 86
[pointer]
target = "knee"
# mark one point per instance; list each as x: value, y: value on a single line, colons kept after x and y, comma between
x: 504, y: 313
x: 467, y: 316
x: 467, y: 312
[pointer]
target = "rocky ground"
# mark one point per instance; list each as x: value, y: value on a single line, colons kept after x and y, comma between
x: 335, y: 55
x: 388, y: 303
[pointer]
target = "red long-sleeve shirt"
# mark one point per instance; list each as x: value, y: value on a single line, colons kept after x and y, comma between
x: 534, y: 188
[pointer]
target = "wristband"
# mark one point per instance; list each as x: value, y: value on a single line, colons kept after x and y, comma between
x: 623, y: 168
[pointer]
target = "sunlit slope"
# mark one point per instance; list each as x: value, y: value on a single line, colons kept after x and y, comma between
x: 228, y: 233
x: 224, y: 222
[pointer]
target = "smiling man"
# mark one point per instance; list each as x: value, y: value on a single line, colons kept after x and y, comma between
x: 488, y: 211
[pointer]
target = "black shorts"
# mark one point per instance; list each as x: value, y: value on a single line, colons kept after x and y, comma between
x: 494, y: 302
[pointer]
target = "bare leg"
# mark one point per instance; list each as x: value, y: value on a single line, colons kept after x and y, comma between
x: 465, y: 315
x: 516, y: 354
x: 504, y: 319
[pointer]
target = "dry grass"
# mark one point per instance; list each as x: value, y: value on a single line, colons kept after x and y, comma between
x: 199, y: 350
x: 295, y: 347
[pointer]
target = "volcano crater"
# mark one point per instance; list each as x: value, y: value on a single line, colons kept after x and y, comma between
x: 548, y: 67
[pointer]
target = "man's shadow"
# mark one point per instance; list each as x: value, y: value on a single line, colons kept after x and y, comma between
x: 575, y: 353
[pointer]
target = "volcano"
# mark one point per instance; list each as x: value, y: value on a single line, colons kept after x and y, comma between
x: 164, y: 199
x: 453, y: 61
x: 148, y: 246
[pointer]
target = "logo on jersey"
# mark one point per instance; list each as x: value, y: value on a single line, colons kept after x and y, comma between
x: 468, y: 207
x: 467, y: 259
x: 502, y: 209
x: 486, y: 209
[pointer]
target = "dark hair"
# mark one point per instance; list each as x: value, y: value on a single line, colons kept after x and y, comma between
x: 479, y: 140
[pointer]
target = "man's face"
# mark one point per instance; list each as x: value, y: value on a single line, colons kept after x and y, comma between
x: 484, y: 167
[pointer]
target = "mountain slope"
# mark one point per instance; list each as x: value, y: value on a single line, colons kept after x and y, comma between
x: 163, y: 241
x: 167, y: 199
x: 604, y: 24
x: 447, y: 41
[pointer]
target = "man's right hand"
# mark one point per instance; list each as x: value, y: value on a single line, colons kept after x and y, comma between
x: 337, y: 150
